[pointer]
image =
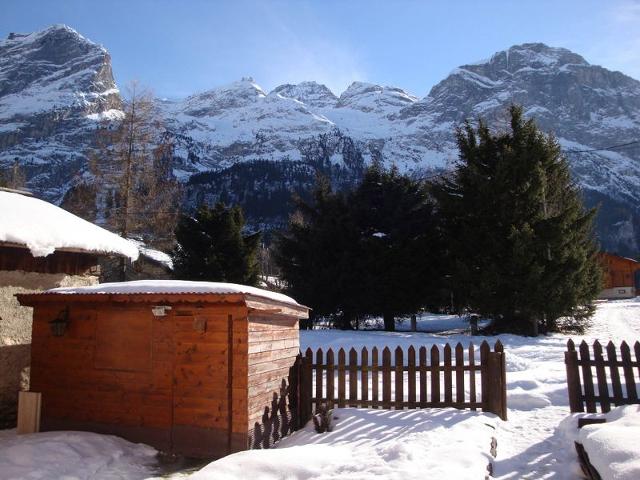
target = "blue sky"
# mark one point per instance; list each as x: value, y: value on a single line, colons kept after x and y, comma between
x: 181, y: 47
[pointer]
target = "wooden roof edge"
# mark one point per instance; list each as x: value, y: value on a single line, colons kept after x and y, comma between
x: 258, y: 303
x: 149, y: 298
x: 93, y: 253
x: 255, y: 302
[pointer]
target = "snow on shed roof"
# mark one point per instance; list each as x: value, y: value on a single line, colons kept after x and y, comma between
x: 43, y: 228
x: 173, y: 287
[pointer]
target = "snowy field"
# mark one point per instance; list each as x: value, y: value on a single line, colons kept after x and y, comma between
x: 535, y: 443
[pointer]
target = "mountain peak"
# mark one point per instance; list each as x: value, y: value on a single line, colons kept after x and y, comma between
x: 310, y: 93
x: 369, y: 97
x: 529, y: 55
x: 237, y: 94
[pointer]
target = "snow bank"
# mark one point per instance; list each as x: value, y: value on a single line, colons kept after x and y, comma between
x: 365, y: 443
x: 174, y: 286
x: 44, y: 228
x: 73, y: 456
x: 613, y: 447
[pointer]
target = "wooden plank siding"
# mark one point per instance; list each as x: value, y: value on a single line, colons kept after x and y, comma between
x: 194, y: 381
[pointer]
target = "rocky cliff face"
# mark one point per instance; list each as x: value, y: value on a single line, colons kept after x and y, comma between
x: 54, y: 86
x: 242, y: 144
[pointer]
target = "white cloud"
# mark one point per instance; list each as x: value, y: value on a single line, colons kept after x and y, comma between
x: 294, y: 58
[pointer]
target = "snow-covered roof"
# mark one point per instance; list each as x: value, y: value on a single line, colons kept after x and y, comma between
x: 43, y: 228
x: 158, y: 256
x: 173, y: 287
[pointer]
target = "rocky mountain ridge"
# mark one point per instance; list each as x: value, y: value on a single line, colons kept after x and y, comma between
x: 242, y: 144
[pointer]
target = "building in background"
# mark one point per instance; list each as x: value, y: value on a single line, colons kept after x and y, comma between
x: 620, y: 276
x: 41, y: 246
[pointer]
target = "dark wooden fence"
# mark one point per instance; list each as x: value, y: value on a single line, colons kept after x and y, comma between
x: 422, y: 378
x: 616, y: 377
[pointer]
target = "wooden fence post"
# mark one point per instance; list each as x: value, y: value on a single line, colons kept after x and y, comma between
x: 573, y: 377
x: 494, y: 400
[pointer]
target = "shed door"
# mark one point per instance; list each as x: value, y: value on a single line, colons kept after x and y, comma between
x: 200, y: 384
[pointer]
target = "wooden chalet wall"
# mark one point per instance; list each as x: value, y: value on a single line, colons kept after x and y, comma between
x: 619, y: 276
x: 14, y: 258
x: 193, y: 381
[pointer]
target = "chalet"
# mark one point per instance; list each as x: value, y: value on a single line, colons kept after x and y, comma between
x: 41, y: 246
x: 620, y: 276
x: 187, y: 367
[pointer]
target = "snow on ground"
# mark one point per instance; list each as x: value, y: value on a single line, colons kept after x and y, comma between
x: 369, y: 443
x: 613, y: 446
x: 531, y: 444
x: 72, y: 456
x: 535, y: 443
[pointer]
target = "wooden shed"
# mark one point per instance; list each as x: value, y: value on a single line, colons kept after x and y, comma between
x: 620, y: 276
x: 187, y: 367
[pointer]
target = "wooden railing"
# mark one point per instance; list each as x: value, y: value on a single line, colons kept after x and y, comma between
x: 617, y: 387
x: 424, y: 378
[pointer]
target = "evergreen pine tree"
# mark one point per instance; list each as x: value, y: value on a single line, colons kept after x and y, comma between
x: 212, y: 247
x: 400, y: 244
x: 521, y: 248
x: 316, y: 256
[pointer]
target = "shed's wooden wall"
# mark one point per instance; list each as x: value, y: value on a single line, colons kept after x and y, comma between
x: 134, y: 403
x: 204, y: 403
x: 273, y: 344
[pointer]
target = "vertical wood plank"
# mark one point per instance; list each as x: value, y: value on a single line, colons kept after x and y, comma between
x: 472, y: 376
x: 306, y: 390
x: 364, y: 375
x: 616, y: 386
x: 320, y: 371
x: 341, y: 378
x: 386, y: 378
x: 627, y: 368
x: 636, y: 349
x: 399, y: 379
x: 484, y: 375
x: 601, y: 375
x: 375, y: 397
x: 459, y: 375
x: 29, y: 405
x: 448, y: 387
x: 330, y: 379
x: 502, y: 366
x: 353, y: 378
x: 587, y: 377
x: 423, y: 377
x: 573, y: 378
x: 411, y: 375
x: 435, y: 376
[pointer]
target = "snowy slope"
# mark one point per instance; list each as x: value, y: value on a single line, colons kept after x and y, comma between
x: 55, y: 85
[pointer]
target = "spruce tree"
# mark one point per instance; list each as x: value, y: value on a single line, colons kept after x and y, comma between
x: 521, y: 248
x: 212, y: 247
x: 399, y: 245
x: 316, y: 256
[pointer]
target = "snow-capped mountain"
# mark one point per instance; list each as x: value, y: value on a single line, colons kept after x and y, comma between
x: 54, y: 86
x: 240, y: 143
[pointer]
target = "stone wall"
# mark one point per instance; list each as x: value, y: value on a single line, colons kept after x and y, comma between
x: 15, y: 331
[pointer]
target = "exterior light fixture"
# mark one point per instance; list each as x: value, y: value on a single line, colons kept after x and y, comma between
x: 160, y: 310
x: 59, y: 324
